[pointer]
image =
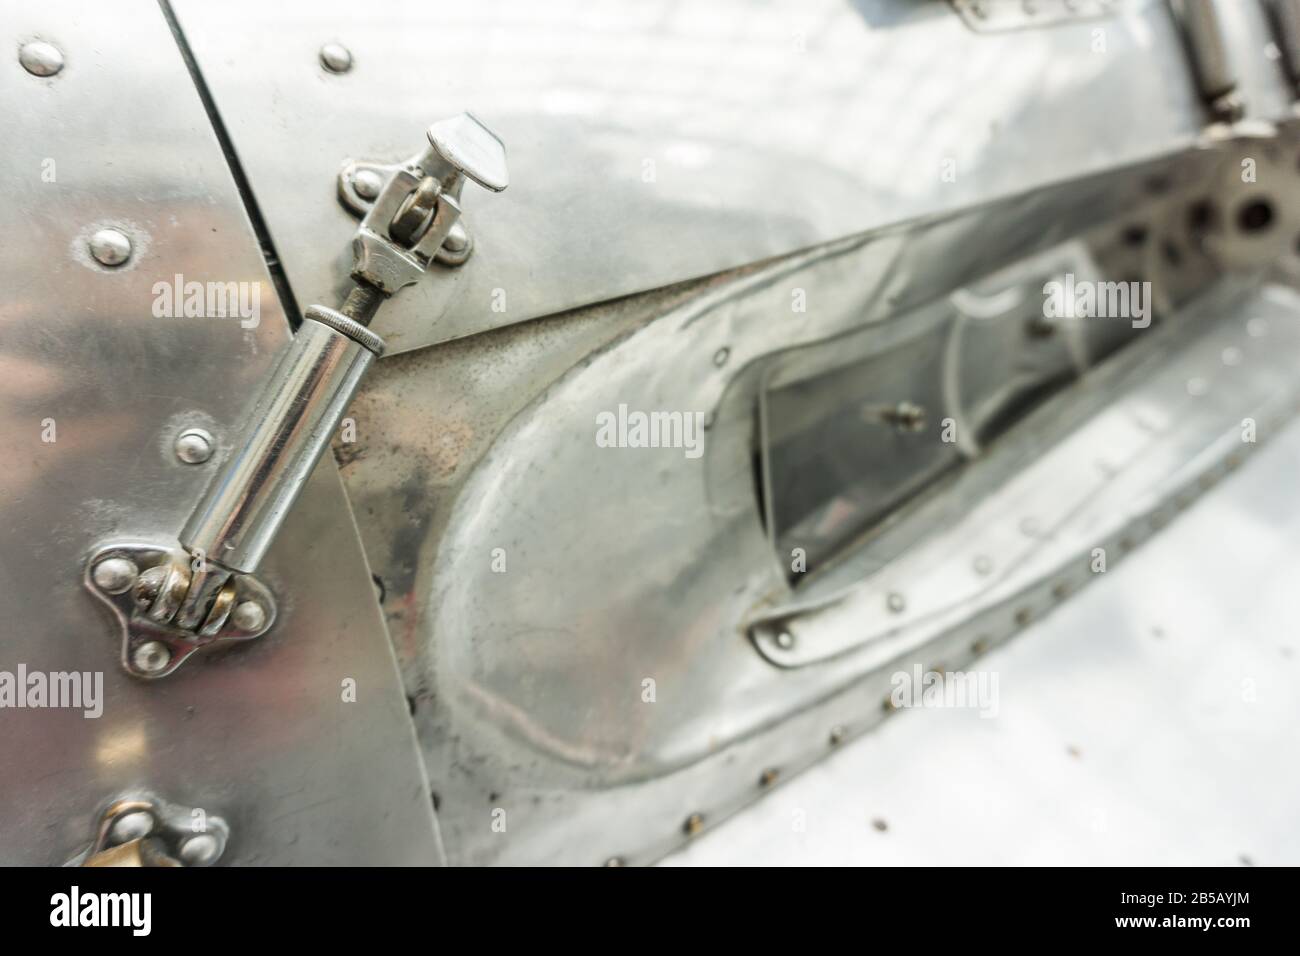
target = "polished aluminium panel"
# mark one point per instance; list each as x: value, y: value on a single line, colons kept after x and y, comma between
x: 526, y: 680
x: 564, y: 789
x: 262, y: 735
x: 526, y: 705
x: 642, y: 156
x: 1143, y: 723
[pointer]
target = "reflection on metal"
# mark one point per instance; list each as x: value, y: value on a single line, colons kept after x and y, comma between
x: 293, y: 421
x: 144, y: 830
x: 1215, y: 77
x: 146, y: 604
x: 335, y: 57
x: 264, y: 736
x: 194, y: 446
x: 499, y: 530
x: 110, y: 247
x: 629, y: 127
x: 496, y: 660
x: 1286, y: 19
x: 172, y: 612
x: 40, y: 58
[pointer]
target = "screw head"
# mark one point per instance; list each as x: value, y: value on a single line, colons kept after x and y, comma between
x: 694, y: 824
x: 199, y: 849
x: 151, y: 657
x: 194, y: 446
x: 335, y: 57
x: 114, y: 575
x: 769, y: 776
x: 367, y: 183
x: 40, y: 58
x: 784, y: 640
x: 110, y: 247
x: 248, y: 616
x: 837, y: 735
x: 132, y: 826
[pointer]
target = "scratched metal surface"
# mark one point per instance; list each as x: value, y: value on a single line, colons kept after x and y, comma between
x: 1151, y: 720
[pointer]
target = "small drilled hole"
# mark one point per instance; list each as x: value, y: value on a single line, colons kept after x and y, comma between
x: 1255, y: 216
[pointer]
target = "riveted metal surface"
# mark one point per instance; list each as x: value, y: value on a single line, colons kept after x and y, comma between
x: 95, y: 386
x: 1140, y: 724
x: 530, y: 708
x: 598, y: 686
x: 546, y: 712
x: 641, y: 158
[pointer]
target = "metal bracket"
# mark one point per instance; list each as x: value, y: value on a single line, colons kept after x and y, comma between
x: 411, y: 210
x: 146, y: 586
x: 144, y: 830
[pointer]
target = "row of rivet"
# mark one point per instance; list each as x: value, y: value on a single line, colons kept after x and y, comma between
x: 1059, y: 588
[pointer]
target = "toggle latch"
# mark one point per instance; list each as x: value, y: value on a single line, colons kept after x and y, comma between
x: 172, y: 601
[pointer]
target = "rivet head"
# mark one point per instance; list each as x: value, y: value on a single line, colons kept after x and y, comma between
x: 837, y: 736
x: 335, y: 57
x: 151, y: 657
x: 457, y: 239
x: 114, y: 575
x: 895, y: 602
x: 40, y: 58
x: 194, y: 446
x: 367, y: 183
x: 784, y: 640
x: 769, y: 776
x: 199, y: 849
x: 694, y: 824
x: 132, y: 826
x: 110, y: 247
x: 248, y: 616
x: 615, y: 861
